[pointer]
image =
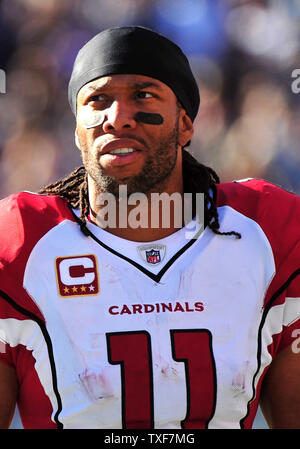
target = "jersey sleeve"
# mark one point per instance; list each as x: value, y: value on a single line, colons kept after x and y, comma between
x: 277, y: 212
x: 24, y: 219
x: 291, y: 318
x: 11, y: 243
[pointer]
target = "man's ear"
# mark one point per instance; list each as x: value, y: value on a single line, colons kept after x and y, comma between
x: 77, y: 140
x: 186, y: 128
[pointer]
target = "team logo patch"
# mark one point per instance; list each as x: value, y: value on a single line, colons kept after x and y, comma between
x: 77, y: 275
x: 153, y: 254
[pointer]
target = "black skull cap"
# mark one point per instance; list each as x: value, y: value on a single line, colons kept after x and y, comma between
x: 135, y: 50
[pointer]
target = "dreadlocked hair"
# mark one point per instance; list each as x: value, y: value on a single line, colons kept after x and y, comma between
x: 73, y: 188
x: 196, y: 178
x: 199, y: 178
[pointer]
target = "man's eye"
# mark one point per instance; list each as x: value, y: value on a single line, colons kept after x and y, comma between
x: 145, y: 94
x: 98, y: 97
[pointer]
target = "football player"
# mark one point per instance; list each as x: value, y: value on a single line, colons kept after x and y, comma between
x: 136, y: 324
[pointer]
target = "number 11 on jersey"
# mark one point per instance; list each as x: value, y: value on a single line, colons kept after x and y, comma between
x: 132, y: 351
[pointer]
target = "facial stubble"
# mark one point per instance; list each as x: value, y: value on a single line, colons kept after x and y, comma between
x: 159, y: 165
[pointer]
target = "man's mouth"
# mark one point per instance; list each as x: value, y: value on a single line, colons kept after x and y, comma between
x: 121, y: 151
x: 120, y: 156
x: 119, y: 145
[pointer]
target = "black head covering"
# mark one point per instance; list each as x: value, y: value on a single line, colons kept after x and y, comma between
x: 135, y: 50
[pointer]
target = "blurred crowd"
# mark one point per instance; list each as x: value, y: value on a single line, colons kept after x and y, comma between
x: 242, y: 52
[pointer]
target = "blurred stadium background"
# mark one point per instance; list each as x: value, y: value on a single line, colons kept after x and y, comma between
x: 243, y: 53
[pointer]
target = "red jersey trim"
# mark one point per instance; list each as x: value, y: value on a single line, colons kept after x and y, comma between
x: 47, y: 338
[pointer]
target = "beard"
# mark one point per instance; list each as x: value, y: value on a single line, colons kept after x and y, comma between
x: 153, y: 177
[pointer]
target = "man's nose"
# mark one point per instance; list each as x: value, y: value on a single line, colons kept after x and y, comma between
x: 119, y: 116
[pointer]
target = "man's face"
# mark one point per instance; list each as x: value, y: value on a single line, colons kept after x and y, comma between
x: 123, y: 148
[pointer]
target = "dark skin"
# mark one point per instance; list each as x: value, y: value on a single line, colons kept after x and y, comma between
x: 280, y: 394
x: 129, y: 103
x: 8, y: 394
x: 280, y: 398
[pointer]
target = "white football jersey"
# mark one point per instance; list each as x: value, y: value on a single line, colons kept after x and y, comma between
x: 175, y: 333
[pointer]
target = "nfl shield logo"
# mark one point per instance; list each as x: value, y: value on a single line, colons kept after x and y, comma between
x: 153, y: 256
x: 153, y: 253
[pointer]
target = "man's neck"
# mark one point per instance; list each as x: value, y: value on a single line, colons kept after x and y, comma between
x: 140, y: 234
x: 149, y: 217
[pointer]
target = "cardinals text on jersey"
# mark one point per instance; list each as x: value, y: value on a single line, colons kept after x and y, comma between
x: 101, y: 338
